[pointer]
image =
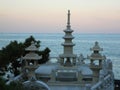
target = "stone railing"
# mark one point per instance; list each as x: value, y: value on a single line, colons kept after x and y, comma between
x: 104, y: 84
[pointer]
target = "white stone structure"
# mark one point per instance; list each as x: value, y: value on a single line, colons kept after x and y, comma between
x: 70, y: 72
x: 31, y: 63
x: 68, y: 57
x: 31, y: 60
x: 96, y: 60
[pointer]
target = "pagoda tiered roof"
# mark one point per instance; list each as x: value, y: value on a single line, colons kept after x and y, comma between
x: 68, y: 30
x: 68, y: 55
x: 68, y: 37
x: 68, y: 44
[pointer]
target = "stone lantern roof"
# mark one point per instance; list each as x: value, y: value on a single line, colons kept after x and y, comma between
x: 96, y: 55
x: 96, y: 47
x: 32, y: 56
x: 32, y: 47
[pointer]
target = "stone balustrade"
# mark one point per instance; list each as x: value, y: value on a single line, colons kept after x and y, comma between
x: 103, y: 84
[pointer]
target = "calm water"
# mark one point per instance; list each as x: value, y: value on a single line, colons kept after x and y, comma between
x: 109, y: 42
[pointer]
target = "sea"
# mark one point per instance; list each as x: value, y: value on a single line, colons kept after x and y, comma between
x: 83, y: 42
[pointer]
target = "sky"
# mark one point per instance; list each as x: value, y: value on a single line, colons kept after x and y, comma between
x: 50, y: 16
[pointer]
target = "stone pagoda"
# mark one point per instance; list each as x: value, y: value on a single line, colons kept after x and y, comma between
x: 31, y: 59
x: 71, y: 72
x: 68, y: 58
x: 96, y: 60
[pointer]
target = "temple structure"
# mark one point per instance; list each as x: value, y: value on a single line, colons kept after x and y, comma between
x: 68, y: 57
x: 70, y: 72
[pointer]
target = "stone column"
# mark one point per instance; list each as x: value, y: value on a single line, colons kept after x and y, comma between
x: 53, y: 76
x: 74, y: 61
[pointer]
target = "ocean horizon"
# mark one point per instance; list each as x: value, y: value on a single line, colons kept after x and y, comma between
x: 83, y: 42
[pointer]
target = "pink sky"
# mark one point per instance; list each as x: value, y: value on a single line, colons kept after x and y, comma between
x: 46, y: 16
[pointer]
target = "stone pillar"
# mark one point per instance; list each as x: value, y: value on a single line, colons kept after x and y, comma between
x: 35, y: 63
x: 53, y: 76
x: 95, y: 76
x: 79, y: 77
x: 100, y: 62
x: 26, y: 63
x: 74, y: 61
x: 62, y: 61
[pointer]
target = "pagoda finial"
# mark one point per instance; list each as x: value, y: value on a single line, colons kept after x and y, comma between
x: 68, y: 21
